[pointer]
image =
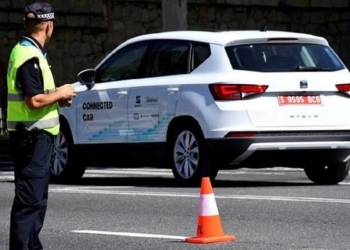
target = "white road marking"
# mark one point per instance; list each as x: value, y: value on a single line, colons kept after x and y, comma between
x: 73, y: 190
x: 140, y: 235
x: 7, y: 178
x: 126, y: 172
x: 140, y: 171
x: 168, y: 172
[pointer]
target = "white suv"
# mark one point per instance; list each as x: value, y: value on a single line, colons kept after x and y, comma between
x: 199, y: 101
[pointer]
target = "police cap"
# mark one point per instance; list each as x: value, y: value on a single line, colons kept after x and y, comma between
x: 41, y: 11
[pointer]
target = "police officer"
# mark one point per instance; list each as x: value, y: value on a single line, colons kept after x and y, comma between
x: 33, y: 123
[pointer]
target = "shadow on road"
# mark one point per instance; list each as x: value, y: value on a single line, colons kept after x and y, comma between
x: 163, y: 182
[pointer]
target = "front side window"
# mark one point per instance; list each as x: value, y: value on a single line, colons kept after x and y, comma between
x: 284, y: 57
x: 168, y: 58
x: 123, y: 65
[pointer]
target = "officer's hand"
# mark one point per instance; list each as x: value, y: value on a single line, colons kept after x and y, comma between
x: 67, y: 91
x: 65, y: 103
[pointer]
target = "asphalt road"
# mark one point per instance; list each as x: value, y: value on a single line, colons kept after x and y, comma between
x: 272, y: 209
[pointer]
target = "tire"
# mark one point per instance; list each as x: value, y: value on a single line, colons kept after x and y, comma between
x: 66, y: 167
x: 328, y: 175
x: 188, y: 156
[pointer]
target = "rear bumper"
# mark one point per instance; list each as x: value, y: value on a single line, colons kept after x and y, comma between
x: 281, y: 149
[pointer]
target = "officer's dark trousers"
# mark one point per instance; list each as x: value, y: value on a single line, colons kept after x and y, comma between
x: 31, y: 191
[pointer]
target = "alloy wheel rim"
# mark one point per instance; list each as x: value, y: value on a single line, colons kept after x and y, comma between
x: 186, y: 154
x: 60, y: 155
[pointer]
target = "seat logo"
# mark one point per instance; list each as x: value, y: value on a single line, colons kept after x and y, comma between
x: 303, y: 84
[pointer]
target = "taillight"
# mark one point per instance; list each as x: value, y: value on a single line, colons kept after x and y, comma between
x: 224, y: 91
x: 344, y: 88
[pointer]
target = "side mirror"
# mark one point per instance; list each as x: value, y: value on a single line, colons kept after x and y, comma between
x: 87, y: 77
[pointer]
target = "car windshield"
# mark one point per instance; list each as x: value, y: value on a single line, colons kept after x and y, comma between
x: 283, y: 57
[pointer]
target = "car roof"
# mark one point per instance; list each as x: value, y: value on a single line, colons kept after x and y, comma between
x: 223, y: 38
x: 228, y: 37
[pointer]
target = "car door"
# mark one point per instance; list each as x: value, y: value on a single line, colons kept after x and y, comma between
x: 102, y: 108
x: 151, y: 104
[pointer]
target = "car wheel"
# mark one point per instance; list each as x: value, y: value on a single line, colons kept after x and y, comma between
x: 189, y: 158
x: 65, y: 166
x: 328, y: 175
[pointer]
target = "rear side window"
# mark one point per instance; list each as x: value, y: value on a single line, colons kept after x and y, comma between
x: 200, y: 53
x: 284, y: 57
x: 168, y: 58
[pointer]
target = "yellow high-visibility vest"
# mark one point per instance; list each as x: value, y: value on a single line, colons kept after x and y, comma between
x: 46, y: 118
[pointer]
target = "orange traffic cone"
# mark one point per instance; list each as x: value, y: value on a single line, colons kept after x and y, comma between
x: 209, y: 228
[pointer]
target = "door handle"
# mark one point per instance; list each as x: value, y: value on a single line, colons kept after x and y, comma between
x: 122, y: 92
x: 172, y: 90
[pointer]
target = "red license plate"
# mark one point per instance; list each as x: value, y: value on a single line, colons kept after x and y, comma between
x: 299, y: 100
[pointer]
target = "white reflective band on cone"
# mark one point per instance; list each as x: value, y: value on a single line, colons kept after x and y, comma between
x: 207, y: 205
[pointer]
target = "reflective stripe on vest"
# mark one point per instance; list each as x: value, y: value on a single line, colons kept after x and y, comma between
x: 47, y: 117
x: 36, y: 124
